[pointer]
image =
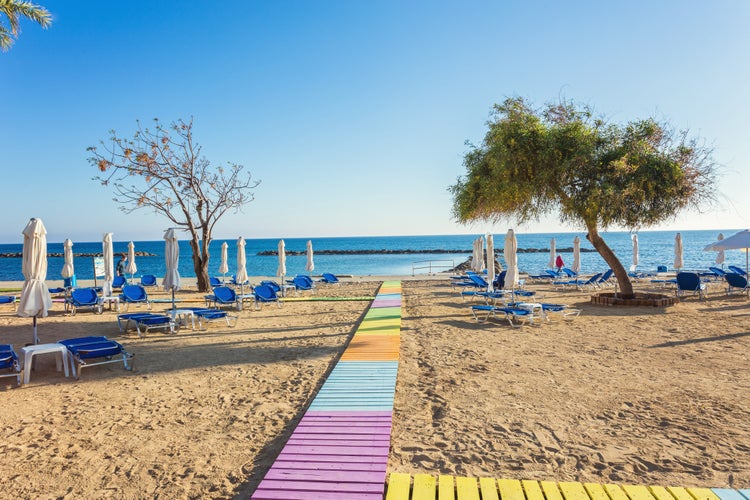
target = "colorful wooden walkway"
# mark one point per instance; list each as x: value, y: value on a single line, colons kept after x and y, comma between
x: 426, y: 487
x: 340, y: 448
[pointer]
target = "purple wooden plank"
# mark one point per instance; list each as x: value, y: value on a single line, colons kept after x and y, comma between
x: 386, y: 303
x: 359, y: 451
x: 352, y: 466
x: 326, y: 441
x: 357, y: 414
x: 322, y: 487
x: 347, y: 419
x: 307, y: 457
x: 313, y: 495
x: 335, y: 436
x: 358, y: 432
x: 327, y: 476
x: 322, y: 424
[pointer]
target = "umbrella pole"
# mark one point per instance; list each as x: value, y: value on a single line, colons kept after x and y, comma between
x: 173, y: 307
x: 36, y: 337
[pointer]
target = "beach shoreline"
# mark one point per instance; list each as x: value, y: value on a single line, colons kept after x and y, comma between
x: 624, y: 395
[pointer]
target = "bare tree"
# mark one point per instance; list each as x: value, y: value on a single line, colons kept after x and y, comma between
x: 163, y: 170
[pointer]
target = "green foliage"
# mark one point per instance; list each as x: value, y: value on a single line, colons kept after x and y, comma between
x: 593, y: 173
x: 14, y: 10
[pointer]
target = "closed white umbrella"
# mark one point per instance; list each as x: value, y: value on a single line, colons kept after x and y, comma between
x: 635, y: 253
x: 35, y: 299
x: 109, y: 265
x: 490, y: 261
x: 281, y: 270
x: 477, y: 258
x: 224, y: 266
x: 577, y: 254
x: 678, y: 262
x: 68, y: 270
x: 720, y: 256
x: 241, y: 276
x: 172, y: 260
x: 552, y: 253
x: 310, y: 265
x: 511, y: 260
x: 131, y: 268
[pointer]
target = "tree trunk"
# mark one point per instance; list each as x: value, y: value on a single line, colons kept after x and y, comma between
x: 200, y: 264
x: 623, y: 280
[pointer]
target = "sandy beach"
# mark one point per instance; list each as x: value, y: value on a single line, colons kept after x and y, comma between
x: 624, y: 395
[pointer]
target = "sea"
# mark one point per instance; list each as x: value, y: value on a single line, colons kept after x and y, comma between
x: 655, y: 249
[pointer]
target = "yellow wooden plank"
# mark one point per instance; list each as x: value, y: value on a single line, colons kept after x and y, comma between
x: 445, y: 488
x: 573, y: 491
x: 679, y: 493
x: 466, y: 488
x: 596, y: 491
x: 398, y: 486
x: 637, y: 492
x: 703, y: 494
x: 424, y: 487
x: 660, y: 493
x: 615, y: 492
x: 532, y: 490
x: 488, y: 487
x: 510, y: 489
x: 551, y: 490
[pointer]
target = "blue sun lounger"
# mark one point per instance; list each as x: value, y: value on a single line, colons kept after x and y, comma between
x: 84, y: 349
x: 144, y: 322
x: 207, y: 315
x: 134, y: 294
x: 526, y: 313
x: 9, y: 362
x: 265, y: 294
x: 8, y: 299
x: 83, y: 297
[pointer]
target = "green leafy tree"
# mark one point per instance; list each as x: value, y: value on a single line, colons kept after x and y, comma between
x: 163, y: 170
x: 594, y: 174
x: 14, y: 10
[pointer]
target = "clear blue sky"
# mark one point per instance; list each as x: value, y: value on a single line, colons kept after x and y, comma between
x: 353, y: 114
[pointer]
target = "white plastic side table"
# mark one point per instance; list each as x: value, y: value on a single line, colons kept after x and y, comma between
x: 30, y: 351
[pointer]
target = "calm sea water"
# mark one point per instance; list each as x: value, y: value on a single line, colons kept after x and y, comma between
x: 656, y: 248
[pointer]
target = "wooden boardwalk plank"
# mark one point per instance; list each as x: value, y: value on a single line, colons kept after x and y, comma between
x: 312, y: 495
x: 660, y: 493
x: 488, y: 488
x: 637, y: 492
x: 702, y: 494
x: 615, y: 492
x: 728, y: 494
x: 510, y: 489
x: 375, y: 477
x: 680, y: 493
x: 573, y: 491
x: 551, y: 490
x: 466, y: 488
x: 425, y: 487
x: 596, y: 491
x: 398, y: 486
x: 307, y: 457
x: 281, y: 464
x: 745, y: 493
x: 445, y: 488
x: 532, y: 490
x: 321, y: 487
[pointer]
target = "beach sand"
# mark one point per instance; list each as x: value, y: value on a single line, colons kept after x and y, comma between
x: 639, y: 396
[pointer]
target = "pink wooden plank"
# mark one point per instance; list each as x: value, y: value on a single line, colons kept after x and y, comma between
x: 352, y: 425
x: 360, y: 451
x: 327, y: 475
x: 356, y: 414
x: 307, y: 457
x: 351, y: 466
x: 312, y: 495
x: 336, y: 441
x: 322, y: 487
x: 353, y: 431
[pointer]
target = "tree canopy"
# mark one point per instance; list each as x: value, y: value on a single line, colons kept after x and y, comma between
x: 14, y: 10
x: 592, y: 173
x: 163, y: 169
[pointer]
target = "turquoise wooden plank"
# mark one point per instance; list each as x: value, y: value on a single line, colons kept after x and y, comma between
x: 745, y: 493
x: 728, y: 494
